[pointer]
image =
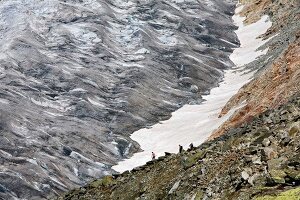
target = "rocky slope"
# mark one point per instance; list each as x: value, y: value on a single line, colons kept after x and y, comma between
x: 78, y: 77
x: 278, y: 77
x: 258, y: 160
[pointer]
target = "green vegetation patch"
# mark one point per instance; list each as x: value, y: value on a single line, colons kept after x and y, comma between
x: 293, y: 194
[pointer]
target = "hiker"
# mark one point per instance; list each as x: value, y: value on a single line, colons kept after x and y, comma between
x: 180, y: 149
x: 153, y: 155
x: 191, y: 147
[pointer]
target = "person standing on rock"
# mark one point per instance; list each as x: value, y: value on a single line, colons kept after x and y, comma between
x: 153, y: 156
x: 180, y: 149
x: 191, y: 147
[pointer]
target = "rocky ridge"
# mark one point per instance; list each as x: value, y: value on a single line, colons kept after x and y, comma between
x: 258, y: 160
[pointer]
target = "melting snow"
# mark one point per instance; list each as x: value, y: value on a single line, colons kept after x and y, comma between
x: 195, y: 123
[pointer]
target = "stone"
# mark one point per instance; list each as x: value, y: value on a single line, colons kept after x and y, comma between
x: 278, y: 176
x: 67, y: 151
x: 174, y: 187
x: 245, y: 175
x: 266, y: 142
x: 105, y: 181
x: 292, y: 173
x: 150, y: 162
x: 160, y: 158
x: 136, y: 169
x: 116, y: 175
x: 167, y: 154
x: 257, y: 180
x: 193, y: 159
x: 199, y: 195
x: 256, y: 160
x: 294, y: 161
x: 285, y: 141
x: 194, y: 88
x: 247, y: 158
x: 203, y: 170
x: 293, y: 131
x: 193, y: 152
x: 126, y: 173
x: 276, y: 163
x: 268, y: 153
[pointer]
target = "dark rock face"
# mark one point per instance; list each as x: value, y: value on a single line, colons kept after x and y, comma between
x: 230, y: 167
x: 78, y: 77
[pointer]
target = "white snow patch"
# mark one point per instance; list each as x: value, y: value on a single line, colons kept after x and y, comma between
x: 53, y: 114
x: 249, y: 41
x: 142, y: 51
x: 82, y: 158
x: 228, y: 42
x: 61, y: 105
x: 78, y: 90
x: 96, y: 103
x: 32, y: 161
x: 4, y: 101
x: 195, y: 123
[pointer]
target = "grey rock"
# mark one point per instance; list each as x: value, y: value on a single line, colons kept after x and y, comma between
x: 194, y: 88
x: 167, y: 154
x: 257, y: 180
x: 174, y: 187
x: 256, y: 160
x: 266, y: 142
x: 285, y: 141
x: 67, y: 151
x: 269, y: 153
x: 245, y: 175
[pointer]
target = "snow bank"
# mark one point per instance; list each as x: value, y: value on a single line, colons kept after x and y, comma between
x: 195, y: 123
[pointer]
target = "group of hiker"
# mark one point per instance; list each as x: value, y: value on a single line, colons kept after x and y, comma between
x: 191, y: 147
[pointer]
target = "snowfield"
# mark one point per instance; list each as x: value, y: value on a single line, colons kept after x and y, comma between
x: 195, y: 123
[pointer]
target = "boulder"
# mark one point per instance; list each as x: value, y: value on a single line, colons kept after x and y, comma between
x: 174, y: 187
x: 193, y: 159
x: 167, y: 154
x: 276, y: 163
x: 294, y: 131
x: 256, y: 160
x: 293, y: 173
x: 278, y: 176
x: 105, y: 181
x: 257, y: 180
x: 116, y: 175
x: 285, y: 141
x: 245, y: 175
x: 269, y: 153
x: 150, y: 162
x: 266, y: 142
x: 194, y: 88
x: 160, y: 158
x: 66, y: 151
x: 199, y: 195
